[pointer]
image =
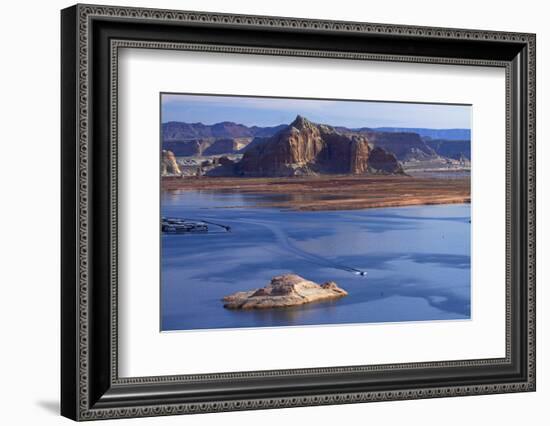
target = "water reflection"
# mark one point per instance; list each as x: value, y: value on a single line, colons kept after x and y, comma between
x: 417, y: 258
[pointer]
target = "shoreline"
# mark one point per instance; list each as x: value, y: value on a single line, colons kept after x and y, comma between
x: 334, y: 192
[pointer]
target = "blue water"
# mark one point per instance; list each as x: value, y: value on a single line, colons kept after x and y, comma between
x: 417, y: 260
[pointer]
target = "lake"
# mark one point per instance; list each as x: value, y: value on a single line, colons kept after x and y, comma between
x: 417, y: 261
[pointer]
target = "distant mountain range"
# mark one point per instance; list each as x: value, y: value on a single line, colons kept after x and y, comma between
x: 197, y: 139
x: 303, y: 147
x: 442, y: 134
x: 455, y: 149
x: 180, y: 131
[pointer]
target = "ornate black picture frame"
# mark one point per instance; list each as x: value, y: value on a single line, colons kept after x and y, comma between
x: 91, y: 37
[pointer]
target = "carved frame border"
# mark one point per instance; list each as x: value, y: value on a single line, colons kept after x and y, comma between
x: 87, y: 12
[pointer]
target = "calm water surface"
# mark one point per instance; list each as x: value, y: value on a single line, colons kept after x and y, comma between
x: 417, y: 260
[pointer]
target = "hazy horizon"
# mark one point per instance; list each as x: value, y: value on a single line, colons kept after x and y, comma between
x: 264, y: 112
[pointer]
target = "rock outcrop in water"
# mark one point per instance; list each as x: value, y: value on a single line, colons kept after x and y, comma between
x: 306, y: 148
x: 284, y: 291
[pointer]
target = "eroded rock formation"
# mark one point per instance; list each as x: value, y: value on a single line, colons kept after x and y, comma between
x: 384, y: 162
x: 306, y: 148
x: 169, y: 164
x: 284, y: 291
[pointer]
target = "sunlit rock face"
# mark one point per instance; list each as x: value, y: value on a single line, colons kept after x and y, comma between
x: 306, y: 148
x: 284, y: 291
x: 169, y: 164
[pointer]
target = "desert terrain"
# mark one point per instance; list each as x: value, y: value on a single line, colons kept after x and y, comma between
x: 334, y: 192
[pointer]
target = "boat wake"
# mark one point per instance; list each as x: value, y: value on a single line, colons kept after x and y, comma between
x: 286, y: 243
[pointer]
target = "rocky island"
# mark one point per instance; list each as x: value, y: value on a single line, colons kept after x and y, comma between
x: 284, y: 291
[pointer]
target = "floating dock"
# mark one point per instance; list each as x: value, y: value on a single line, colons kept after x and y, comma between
x: 173, y: 225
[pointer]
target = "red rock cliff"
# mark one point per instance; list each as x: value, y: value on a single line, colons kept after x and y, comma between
x: 305, y: 148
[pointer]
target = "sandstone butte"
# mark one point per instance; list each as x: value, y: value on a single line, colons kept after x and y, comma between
x: 305, y: 148
x: 284, y: 291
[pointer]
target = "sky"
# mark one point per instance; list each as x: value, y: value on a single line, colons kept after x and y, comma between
x: 256, y: 111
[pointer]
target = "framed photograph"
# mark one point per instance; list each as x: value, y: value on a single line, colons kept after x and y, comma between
x: 263, y: 212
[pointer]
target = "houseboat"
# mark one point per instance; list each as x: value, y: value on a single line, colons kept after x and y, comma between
x: 182, y: 226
